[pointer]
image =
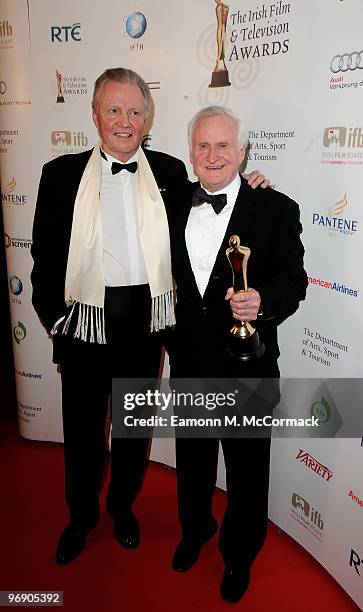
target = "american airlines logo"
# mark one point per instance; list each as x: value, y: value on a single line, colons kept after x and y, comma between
x: 314, y: 465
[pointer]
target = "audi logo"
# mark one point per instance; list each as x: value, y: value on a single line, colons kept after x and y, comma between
x: 347, y: 61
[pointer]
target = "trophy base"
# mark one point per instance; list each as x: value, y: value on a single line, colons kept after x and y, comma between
x: 219, y: 79
x: 245, y: 349
x: 60, y: 99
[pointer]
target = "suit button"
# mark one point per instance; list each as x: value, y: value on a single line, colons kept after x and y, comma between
x: 204, y: 310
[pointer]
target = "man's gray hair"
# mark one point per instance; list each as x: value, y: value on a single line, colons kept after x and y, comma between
x: 218, y: 111
x: 122, y: 75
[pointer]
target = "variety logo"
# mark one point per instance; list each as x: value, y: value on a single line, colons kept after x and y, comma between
x: 334, y: 286
x: 19, y: 332
x: 66, y: 33
x: 15, y: 284
x: 307, y: 516
x: 347, y: 61
x: 355, y: 561
x: 23, y: 243
x: 333, y: 222
x: 314, y: 465
x: 9, y: 197
x: 355, y: 498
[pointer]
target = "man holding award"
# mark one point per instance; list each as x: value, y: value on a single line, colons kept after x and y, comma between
x: 223, y: 215
x: 102, y: 287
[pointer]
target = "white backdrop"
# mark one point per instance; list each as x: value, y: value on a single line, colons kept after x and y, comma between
x: 296, y: 74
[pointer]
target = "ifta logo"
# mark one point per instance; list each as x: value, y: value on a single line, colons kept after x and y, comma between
x: 19, y: 332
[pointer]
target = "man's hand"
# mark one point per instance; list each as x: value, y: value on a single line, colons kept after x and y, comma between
x: 245, y: 304
x: 256, y: 179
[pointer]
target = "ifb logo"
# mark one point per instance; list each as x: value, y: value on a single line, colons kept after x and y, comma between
x: 301, y: 504
x: 355, y: 561
x: 66, y: 33
x: 76, y: 139
x: 19, y: 332
x: 338, y: 136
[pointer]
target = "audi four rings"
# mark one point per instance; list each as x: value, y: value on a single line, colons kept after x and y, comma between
x: 347, y: 61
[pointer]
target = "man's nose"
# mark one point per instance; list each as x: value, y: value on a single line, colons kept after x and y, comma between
x: 212, y: 154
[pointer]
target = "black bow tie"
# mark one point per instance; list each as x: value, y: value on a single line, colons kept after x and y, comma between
x: 218, y: 202
x: 116, y: 167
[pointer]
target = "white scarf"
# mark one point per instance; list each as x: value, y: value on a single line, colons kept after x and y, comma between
x: 85, y: 284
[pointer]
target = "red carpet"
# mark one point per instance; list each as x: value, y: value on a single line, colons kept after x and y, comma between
x: 107, y: 578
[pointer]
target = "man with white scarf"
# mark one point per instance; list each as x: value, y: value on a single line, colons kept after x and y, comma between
x: 102, y: 287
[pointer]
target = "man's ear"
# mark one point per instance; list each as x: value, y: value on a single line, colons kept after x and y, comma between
x: 242, y: 154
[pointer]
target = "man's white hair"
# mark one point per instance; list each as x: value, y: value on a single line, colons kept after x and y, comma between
x: 218, y: 111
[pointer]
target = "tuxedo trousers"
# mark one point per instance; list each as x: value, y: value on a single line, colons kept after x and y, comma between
x: 87, y: 369
x: 244, y: 524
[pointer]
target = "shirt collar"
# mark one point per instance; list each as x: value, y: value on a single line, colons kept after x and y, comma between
x: 231, y: 190
x: 109, y: 158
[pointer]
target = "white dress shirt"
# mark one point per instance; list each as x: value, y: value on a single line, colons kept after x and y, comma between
x: 123, y: 259
x: 205, y: 231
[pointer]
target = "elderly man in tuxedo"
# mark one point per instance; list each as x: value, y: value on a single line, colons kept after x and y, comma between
x: 221, y: 205
x: 102, y: 287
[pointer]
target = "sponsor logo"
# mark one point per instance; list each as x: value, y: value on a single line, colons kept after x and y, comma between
x: 135, y: 26
x: 314, y: 465
x: 321, y: 410
x: 3, y: 87
x: 23, y: 243
x: 27, y: 413
x: 65, y: 141
x: 334, y: 286
x: 347, y: 61
x: 6, y: 35
x: 343, y: 137
x: 66, y: 33
x: 334, y: 222
x: 30, y: 375
x: 355, y: 562
x: 355, y: 498
x: 19, y: 332
x: 7, y: 138
x: 344, y: 144
x: 15, y: 284
x: 69, y: 86
x: 9, y: 197
x: 307, y: 516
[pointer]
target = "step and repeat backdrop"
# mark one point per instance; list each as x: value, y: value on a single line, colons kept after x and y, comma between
x: 293, y: 72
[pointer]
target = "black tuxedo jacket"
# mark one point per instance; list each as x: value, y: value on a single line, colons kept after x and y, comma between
x: 268, y: 223
x: 53, y: 223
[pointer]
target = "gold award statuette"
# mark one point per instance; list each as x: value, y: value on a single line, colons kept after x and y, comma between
x: 220, y: 73
x: 244, y: 339
x: 60, y: 97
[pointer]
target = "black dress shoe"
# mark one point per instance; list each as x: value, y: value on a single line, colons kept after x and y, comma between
x: 71, y: 543
x: 235, y: 583
x: 187, y: 552
x: 127, y: 530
